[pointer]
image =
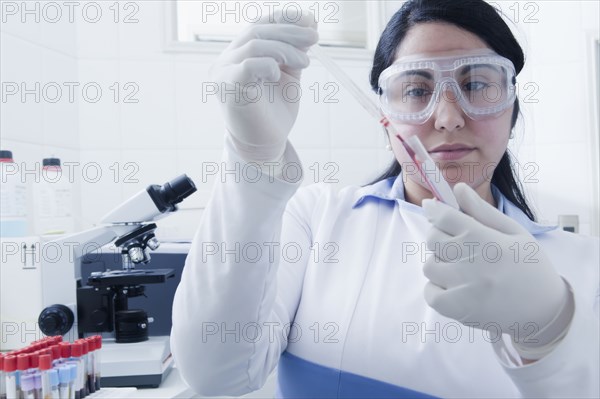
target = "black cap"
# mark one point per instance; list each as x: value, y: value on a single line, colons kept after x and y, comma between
x: 51, y: 162
x: 5, y: 154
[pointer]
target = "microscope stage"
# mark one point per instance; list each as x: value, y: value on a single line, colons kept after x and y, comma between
x: 130, y: 277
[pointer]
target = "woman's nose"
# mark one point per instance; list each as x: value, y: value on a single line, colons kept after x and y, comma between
x: 448, y: 113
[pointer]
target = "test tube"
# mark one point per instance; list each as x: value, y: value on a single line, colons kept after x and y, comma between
x: 54, y: 393
x: 65, y: 351
x: 10, y: 371
x: 97, y: 361
x: 28, y: 386
x: 91, y: 341
x: 22, y: 367
x: 73, y: 391
x: 55, y: 350
x: 64, y: 376
x: 45, y: 366
x: 34, y: 358
x: 439, y: 187
x: 2, y: 378
x: 84, y: 358
x: 76, y: 359
x: 37, y: 384
x: 332, y: 67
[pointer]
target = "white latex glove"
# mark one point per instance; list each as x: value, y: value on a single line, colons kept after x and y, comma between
x: 488, y: 272
x: 260, y: 116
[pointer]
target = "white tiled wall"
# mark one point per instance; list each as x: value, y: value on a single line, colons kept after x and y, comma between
x: 39, y: 58
x: 197, y: 125
x: 558, y: 119
x: 149, y: 123
x: 99, y: 123
x: 172, y: 129
x: 21, y: 63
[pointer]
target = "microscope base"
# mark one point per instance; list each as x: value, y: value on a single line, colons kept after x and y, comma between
x: 141, y: 364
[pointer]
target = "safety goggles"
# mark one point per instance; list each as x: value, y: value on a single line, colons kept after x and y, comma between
x: 483, y: 83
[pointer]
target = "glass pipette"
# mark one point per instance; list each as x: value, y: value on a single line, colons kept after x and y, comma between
x: 438, y: 186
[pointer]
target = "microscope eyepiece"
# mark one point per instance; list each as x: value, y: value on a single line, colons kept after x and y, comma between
x: 178, y: 189
x: 171, y: 193
x: 152, y: 203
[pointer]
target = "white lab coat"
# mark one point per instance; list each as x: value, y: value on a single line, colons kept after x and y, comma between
x: 346, y: 268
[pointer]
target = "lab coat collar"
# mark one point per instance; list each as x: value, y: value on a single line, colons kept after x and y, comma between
x: 392, y: 190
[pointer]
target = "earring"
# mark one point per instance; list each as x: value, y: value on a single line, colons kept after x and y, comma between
x: 388, y: 147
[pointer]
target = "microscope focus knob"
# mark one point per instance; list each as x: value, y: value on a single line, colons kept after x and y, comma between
x: 136, y: 254
x: 153, y: 243
x: 56, y: 320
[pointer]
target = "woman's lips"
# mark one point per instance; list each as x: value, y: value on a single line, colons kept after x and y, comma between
x: 450, y: 152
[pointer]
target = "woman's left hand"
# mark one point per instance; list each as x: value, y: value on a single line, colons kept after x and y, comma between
x: 488, y: 272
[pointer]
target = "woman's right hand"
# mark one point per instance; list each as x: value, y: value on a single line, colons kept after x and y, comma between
x: 253, y: 74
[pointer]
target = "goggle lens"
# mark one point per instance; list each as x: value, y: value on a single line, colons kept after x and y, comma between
x: 483, y: 89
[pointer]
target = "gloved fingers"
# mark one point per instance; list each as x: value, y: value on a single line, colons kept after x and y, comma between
x: 452, y: 303
x: 304, y: 18
x: 282, y: 53
x: 448, y: 219
x: 447, y: 273
x: 260, y: 60
x: 473, y: 205
x: 297, y: 36
x: 447, y: 248
x: 436, y: 238
x: 433, y: 293
x: 433, y: 273
x: 250, y: 70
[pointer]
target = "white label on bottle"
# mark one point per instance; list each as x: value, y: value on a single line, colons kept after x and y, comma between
x: 13, y: 196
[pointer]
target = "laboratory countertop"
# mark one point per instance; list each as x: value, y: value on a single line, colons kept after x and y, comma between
x: 173, y: 387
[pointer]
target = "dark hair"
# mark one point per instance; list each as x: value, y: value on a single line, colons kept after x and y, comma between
x: 479, y: 18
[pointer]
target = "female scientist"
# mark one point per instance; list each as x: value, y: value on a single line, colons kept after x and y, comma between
x: 381, y: 291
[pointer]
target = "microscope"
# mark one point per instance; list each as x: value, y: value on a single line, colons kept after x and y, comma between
x: 100, y: 305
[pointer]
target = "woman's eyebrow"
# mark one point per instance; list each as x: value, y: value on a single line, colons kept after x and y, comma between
x: 468, y: 68
x: 417, y: 72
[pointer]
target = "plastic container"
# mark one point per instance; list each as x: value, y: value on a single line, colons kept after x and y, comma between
x: 53, y: 208
x: 13, y: 198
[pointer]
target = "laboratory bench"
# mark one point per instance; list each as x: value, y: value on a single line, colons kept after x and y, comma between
x: 173, y: 387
